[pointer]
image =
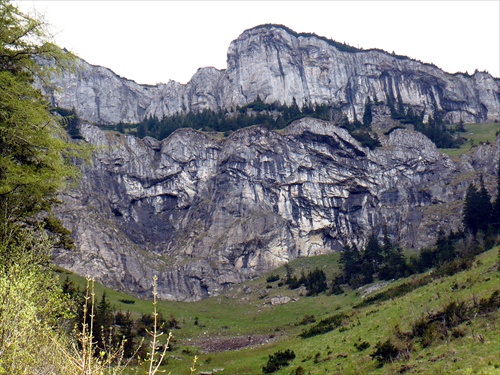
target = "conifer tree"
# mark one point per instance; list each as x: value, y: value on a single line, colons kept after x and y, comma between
x: 485, y: 207
x: 471, y: 215
x: 496, y: 204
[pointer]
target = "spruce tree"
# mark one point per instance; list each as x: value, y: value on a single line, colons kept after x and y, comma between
x: 471, y: 214
x: 485, y: 207
x: 350, y: 262
x: 496, y: 204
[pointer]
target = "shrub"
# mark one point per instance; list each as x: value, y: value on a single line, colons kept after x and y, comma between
x: 362, y: 346
x: 385, y: 352
x: 127, y: 301
x: 278, y: 360
x: 272, y: 278
x: 307, y: 319
x: 324, y: 326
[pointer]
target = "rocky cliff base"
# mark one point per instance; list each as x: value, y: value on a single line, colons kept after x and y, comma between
x: 204, y: 213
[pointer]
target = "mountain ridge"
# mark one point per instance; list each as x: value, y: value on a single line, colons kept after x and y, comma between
x: 279, y: 64
x: 204, y: 213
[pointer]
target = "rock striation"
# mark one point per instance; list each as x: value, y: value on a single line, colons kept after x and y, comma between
x: 205, y: 213
x: 279, y: 65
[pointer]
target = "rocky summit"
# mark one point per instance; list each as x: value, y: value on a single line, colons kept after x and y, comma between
x: 204, y: 212
x: 279, y: 65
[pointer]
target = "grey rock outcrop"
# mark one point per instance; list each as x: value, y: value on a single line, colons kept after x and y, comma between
x: 279, y: 65
x: 204, y: 213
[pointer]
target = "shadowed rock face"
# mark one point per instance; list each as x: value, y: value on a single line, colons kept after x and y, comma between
x: 279, y: 65
x: 205, y: 213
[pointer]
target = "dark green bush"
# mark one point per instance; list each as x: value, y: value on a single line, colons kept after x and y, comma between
x: 385, y: 352
x: 279, y: 359
x: 272, y: 278
x: 324, y: 326
x: 362, y: 345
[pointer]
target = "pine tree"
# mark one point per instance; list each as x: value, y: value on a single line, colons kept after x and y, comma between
x: 373, y: 252
x: 350, y: 262
x: 316, y: 282
x: 496, y: 205
x: 103, y: 321
x: 471, y: 215
x: 126, y: 332
x: 485, y: 207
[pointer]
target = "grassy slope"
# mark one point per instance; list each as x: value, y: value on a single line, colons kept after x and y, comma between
x: 476, y: 134
x: 245, y: 312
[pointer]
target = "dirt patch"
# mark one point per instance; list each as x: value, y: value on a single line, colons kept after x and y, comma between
x: 222, y: 344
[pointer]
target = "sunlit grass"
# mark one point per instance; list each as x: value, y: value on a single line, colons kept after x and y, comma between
x: 475, y: 135
x: 247, y: 313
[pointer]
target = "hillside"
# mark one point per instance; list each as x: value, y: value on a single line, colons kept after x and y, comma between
x: 240, y: 329
x: 205, y: 212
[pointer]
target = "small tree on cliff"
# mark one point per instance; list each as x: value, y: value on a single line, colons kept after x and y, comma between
x: 478, y: 211
x: 496, y: 204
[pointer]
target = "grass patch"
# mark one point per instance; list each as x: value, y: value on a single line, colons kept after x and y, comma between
x: 475, y: 135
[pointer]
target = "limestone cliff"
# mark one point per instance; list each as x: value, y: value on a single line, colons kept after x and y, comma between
x: 279, y: 65
x: 204, y: 213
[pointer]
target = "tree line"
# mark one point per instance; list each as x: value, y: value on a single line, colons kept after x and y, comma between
x: 257, y: 112
x: 277, y: 116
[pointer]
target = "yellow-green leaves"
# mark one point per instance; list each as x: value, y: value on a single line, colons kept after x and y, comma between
x: 35, y: 151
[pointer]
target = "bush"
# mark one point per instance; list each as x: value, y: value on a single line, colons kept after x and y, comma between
x: 324, y: 326
x: 272, y: 278
x: 278, y: 360
x: 385, y: 352
x: 362, y: 346
x: 307, y: 319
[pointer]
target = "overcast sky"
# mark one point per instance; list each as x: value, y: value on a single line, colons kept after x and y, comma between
x: 155, y: 41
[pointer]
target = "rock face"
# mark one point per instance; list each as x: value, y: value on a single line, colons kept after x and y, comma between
x: 205, y: 213
x: 279, y: 65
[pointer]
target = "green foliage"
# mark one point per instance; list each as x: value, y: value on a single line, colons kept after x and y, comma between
x: 396, y: 291
x: 279, y: 359
x: 385, y: 352
x: 325, y: 325
x: 273, y: 115
x: 33, y: 310
x: 360, y: 346
x: 35, y: 155
x: 315, y: 282
x: 434, y: 128
x: 359, y: 268
x: 478, y: 210
x: 70, y: 121
x: 440, y: 325
x: 272, y: 278
x: 55, y: 227
x: 307, y: 319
